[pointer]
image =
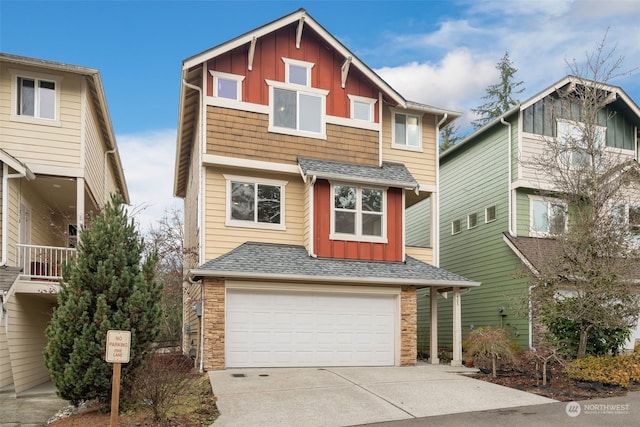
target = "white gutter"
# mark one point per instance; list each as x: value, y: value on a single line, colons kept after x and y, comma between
x: 509, y: 138
x: 312, y: 249
x: 435, y: 228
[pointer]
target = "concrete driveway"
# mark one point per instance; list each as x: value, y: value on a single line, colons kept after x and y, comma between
x: 352, y: 396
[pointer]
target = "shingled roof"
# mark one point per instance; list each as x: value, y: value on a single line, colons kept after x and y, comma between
x: 269, y: 261
x: 389, y: 174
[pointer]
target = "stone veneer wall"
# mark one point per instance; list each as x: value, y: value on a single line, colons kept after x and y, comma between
x: 408, y: 326
x: 213, y: 312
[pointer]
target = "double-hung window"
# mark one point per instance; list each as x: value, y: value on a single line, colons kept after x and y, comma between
x: 36, y: 98
x: 253, y: 202
x: 358, y: 213
x: 296, y: 108
x: 548, y: 217
x: 407, y: 131
x: 228, y: 86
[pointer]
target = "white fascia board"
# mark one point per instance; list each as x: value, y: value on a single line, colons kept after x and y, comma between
x: 333, y: 279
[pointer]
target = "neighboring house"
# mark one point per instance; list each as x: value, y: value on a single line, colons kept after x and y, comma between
x: 496, y: 214
x: 297, y: 165
x: 59, y: 163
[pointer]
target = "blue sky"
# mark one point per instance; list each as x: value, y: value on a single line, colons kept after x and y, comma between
x: 441, y: 53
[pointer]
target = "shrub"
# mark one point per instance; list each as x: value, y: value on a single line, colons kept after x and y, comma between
x: 614, y: 370
x: 164, y: 379
x: 489, y: 343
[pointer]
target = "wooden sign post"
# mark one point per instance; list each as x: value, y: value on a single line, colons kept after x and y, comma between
x: 118, y: 351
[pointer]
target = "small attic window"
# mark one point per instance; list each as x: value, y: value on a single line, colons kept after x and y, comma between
x: 297, y: 72
x: 226, y: 85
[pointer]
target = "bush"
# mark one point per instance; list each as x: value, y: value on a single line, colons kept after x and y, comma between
x: 600, y: 341
x: 493, y: 344
x: 160, y: 384
x: 614, y: 370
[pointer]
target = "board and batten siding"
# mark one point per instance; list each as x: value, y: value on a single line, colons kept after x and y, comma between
x: 473, y: 178
x: 29, y: 315
x: 422, y: 163
x: 221, y: 239
x: 47, y: 145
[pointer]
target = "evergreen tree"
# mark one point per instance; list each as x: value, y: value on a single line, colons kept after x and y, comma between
x: 499, y: 96
x: 108, y: 286
x: 449, y: 136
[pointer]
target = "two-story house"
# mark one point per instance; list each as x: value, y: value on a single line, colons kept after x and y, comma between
x: 499, y: 213
x: 297, y: 165
x: 59, y: 162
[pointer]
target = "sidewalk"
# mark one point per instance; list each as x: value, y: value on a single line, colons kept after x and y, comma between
x: 33, y: 408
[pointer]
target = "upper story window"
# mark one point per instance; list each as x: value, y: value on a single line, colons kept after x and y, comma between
x: 547, y: 216
x: 472, y: 220
x: 358, y: 213
x: 574, y: 141
x: 296, y: 108
x: 253, y: 202
x: 36, y: 98
x: 490, y: 213
x: 362, y: 108
x: 456, y: 226
x: 628, y: 216
x: 228, y: 86
x: 407, y: 131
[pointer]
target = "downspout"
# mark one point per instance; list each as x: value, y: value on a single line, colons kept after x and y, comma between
x: 5, y: 209
x: 435, y: 234
x: 509, y: 201
x: 199, y: 208
x: 312, y: 249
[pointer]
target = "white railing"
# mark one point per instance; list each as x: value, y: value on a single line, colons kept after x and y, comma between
x: 43, y: 262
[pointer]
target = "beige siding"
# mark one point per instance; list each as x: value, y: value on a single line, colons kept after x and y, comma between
x: 29, y: 316
x: 532, y: 148
x: 6, y: 377
x: 422, y: 254
x: 33, y: 143
x: 221, y: 239
x: 191, y: 294
x: 13, y: 220
x: 95, y: 159
x: 421, y: 164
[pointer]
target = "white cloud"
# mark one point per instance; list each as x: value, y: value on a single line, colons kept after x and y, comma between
x: 148, y: 159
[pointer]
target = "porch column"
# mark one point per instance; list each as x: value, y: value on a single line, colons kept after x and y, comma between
x: 433, y: 311
x: 79, y: 202
x: 457, y: 329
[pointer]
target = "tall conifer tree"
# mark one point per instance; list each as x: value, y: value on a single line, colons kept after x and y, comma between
x: 108, y: 286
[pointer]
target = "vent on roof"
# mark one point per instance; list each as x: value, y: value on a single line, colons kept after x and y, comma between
x: 238, y: 375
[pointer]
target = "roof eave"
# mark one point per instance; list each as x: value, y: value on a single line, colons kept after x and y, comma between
x: 199, y: 273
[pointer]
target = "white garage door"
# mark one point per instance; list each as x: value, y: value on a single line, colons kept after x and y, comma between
x: 267, y: 328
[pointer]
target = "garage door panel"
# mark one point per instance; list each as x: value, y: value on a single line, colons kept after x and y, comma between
x: 290, y: 328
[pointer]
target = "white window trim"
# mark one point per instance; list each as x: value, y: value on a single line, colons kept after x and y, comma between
x: 249, y: 224
x: 298, y: 63
x: 15, y: 116
x: 486, y: 217
x: 322, y: 93
x: 371, y: 101
x: 358, y: 236
x: 453, y: 232
x: 469, y: 226
x: 227, y: 76
x: 395, y: 145
x: 532, y: 198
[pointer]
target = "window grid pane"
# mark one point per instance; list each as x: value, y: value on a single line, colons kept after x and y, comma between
x: 284, y: 108
x: 310, y: 113
x: 269, y: 204
x: 47, y: 95
x: 298, y: 75
x: 362, y: 111
x: 227, y: 88
x: 242, y: 201
x: 26, y: 97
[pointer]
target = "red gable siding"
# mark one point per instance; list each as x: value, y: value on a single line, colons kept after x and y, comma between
x: 324, y: 247
x: 268, y: 64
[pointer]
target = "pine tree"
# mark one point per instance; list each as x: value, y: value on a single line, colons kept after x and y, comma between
x: 449, y: 136
x: 499, y: 97
x: 108, y: 286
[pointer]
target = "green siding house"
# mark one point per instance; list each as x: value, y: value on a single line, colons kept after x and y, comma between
x: 491, y: 201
